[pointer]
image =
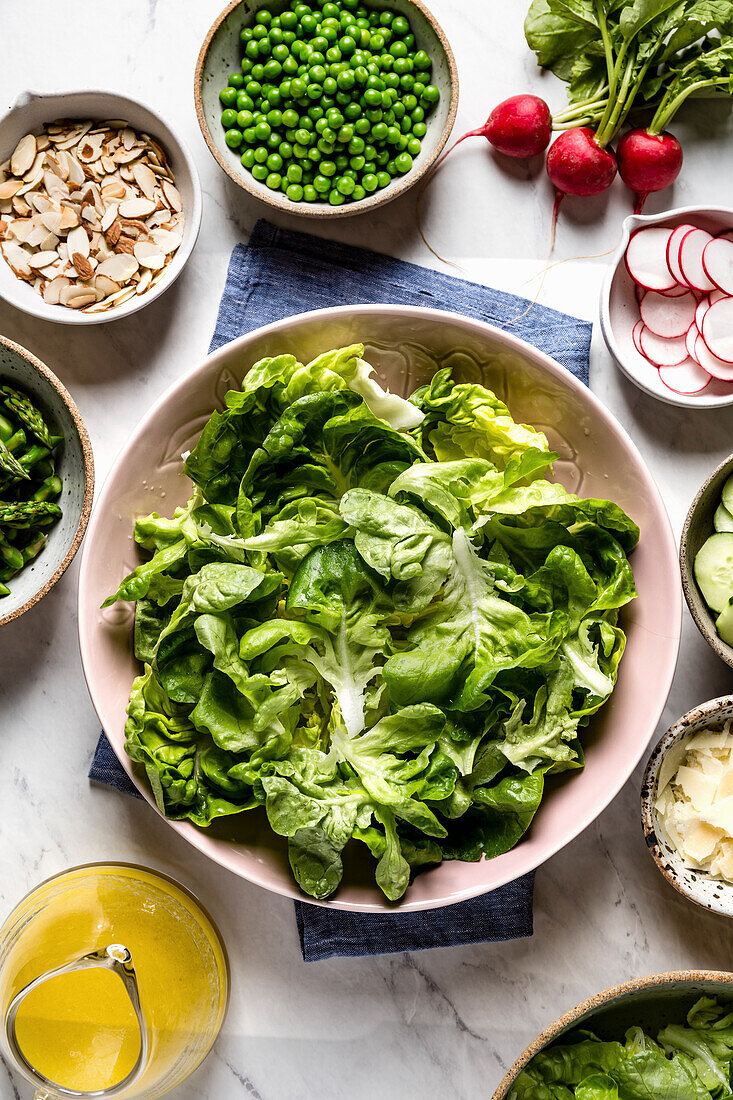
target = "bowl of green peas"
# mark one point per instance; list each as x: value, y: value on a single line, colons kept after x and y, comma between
x: 46, y: 480
x: 326, y: 108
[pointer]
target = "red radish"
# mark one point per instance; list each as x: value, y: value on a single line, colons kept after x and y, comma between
x: 521, y: 126
x: 668, y: 317
x: 717, y: 260
x: 660, y: 351
x: 635, y: 334
x: 688, y: 378
x: 693, y: 335
x: 648, y: 162
x: 673, y: 250
x: 717, y: 329
x: 578, y: 165
x: 690, y: 262
x: 646, y: 259
x: 709, y: 362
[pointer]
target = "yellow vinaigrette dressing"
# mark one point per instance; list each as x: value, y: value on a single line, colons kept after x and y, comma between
x: 79, y: 1030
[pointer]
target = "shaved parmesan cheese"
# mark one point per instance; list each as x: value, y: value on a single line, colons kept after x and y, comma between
x: 694, y: 801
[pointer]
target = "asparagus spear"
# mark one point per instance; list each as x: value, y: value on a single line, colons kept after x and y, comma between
x: 27, y: 513
x: 23, y: 408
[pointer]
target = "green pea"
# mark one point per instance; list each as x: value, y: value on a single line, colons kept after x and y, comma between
x: 228, y: 96
x: 325, y: 147
x: 290, y: 66
x: 431, y: 95
x: 369, y: 182
x: 244, y: 119
x: 347, y: 45
x: 300, y: 152
x: 309, y: 193
x: 413, y: 146
x: 330, y: 86
x: 341, y: 162
x: 288, y: 20
x: 346, y: 80
x: 246, y: 65
x: 252, y: 50
x: 233, y: 138
x: 275, y: 118
x: 393, y: 135
x: 392, y: 81
x: 275, y: 162
x: 357, y: 163
x: 385, y: 62
x: 357, y: 146
x: 333, y: 53
x: 418, y: 88
x: 403, y: 66
x: 228, y: 118
x: 273, y: 142
x: 273, y: 70
x: 403, y: 163
x: 264, y: 48
x: 398, y: 110
x: 273, y: 181
x: 261, y: 154
x: 362, y: 126
x: 260, y: 172
x: 297, y: 88
x: 321, y: 125
x: 327, y: 168
x: 383, y: 179
x: 263, y: 130
x: 290, y: 118
x: 377, y: 42
x: 253, y: 88
x: 285, y: 150
x: 352, y: 111
x: 309, y: 23
x: 422, y: 61
x: 400, y: 25
x: 248, y: 158
x: 370, y: 152
x: 294, y: 173
x: 245, y: 102
x: 257, y: 72
x: 380, y: 131
x: 314, y: 154
x: 245, y: 34
x: 263, y: 17
x: 410, y: 41
x: 336, y: 198
x: 322, y: 184
x: 303, y: 137
x: 372, y: 97
x: 320, y: 43
x: 419, y: 129
x: 236, y: 80
x: 398, y: 49
x: 249, y: 135
x: 314, y: 91
x: 295, y: 192
x: 382, y: 158
x: 407, y: 82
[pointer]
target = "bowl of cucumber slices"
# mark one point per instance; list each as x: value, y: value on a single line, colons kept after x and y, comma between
x: 706, y: 560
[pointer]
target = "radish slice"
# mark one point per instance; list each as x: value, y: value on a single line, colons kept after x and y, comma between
x: 668, y: 317
x: 709, y: 362
x: 646, y: 259
x: 687, y: 378
x: 702, y: 307
x: 693, y: 335
x: 661, y: 352
x: 717, y: 329
x: 676, y: 291
x: 635, y: 333
x: 690, y: 259
x: 718, y: 263
x: 673, y: 250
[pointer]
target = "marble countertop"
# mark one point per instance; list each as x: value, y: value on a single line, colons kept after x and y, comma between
x: 434, y: 1024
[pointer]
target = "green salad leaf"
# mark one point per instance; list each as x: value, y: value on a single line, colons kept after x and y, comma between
x: 374, y: 620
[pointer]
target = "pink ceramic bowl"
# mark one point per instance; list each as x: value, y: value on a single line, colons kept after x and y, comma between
x: 406, y: 345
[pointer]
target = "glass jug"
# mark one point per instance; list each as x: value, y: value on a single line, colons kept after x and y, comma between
x: 114, y: 982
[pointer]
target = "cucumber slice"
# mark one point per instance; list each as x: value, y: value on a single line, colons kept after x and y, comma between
x: 714, y: 570
x: 722, y: 520
x: 724, y: 625
x: 727, y: 495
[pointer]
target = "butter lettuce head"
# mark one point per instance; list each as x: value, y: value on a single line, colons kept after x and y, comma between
x: 380, y: 624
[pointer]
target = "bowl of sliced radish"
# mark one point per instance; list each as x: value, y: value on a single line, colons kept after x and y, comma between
x: 667, y: 305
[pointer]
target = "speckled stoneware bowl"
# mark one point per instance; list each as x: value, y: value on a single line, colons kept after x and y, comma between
x: 652, y: 1003
x: 75, y: 466
x: 406, y: 345
x: 711, y: 893
x: 697, y: 529
x: 619, y: 308
x: 28, y: 114
x: 220, y: 56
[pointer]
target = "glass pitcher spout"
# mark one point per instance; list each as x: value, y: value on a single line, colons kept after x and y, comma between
x: 115, y: 957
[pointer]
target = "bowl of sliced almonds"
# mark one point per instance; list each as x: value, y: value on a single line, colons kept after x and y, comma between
x: 100, y: 206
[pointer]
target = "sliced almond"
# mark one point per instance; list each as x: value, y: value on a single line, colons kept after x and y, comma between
x: 78, y: 241
x: 109, y: 216
x: 145, y: 179
x: 106, y: 285
x: 149, y: 255
x: 42, y: 259
x: 77, y: 296
x: 69, y: 218
x: 112, y: 235
x: 82, y: 265
x: 166, y: 241
x: 52, y: 293
x: 20, y: 206
x: 10, y: 188
x: 37, y: 235
x: 52, y: 221
x: 23, y: 155
x: 17, y: 256
x: 136, y: 208
x: 126, y: 246
x: 172, y: 195
x: 145, y: 280
x: 119, y: 267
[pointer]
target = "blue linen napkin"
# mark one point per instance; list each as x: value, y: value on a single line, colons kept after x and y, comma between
x: 280, y: 273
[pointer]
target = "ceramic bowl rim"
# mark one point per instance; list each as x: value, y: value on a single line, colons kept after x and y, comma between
x: 630, y: 223
x: 308, y: 210
x: 41, y: 309
x: 598, y: 1000
x: 702, y: 618
x: 684, y: 726
x: 512, y: 343
x: 88, y: 458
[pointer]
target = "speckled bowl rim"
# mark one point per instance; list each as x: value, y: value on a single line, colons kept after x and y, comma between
x: 703, y: 619
x: 648, y: 785
x: 88, y: 457
x: 348, y: 210
x: 598, y: 1000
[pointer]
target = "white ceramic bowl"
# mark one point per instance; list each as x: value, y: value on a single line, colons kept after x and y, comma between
x: 620, y: 308
x: 406, y: 345
x: 29, y: 112
x: 698, y: 886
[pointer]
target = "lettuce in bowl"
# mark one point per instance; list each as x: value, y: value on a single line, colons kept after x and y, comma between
x: 375, y: 618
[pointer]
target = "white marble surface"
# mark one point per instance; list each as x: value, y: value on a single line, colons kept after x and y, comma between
x: 434, y: 1024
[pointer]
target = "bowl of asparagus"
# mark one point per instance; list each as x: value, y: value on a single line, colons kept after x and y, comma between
x: 46, y: 480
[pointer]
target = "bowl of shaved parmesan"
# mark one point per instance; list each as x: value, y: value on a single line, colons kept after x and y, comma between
x: 687, y: 805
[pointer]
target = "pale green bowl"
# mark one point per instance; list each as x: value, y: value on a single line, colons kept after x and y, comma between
x: 220, y: 56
